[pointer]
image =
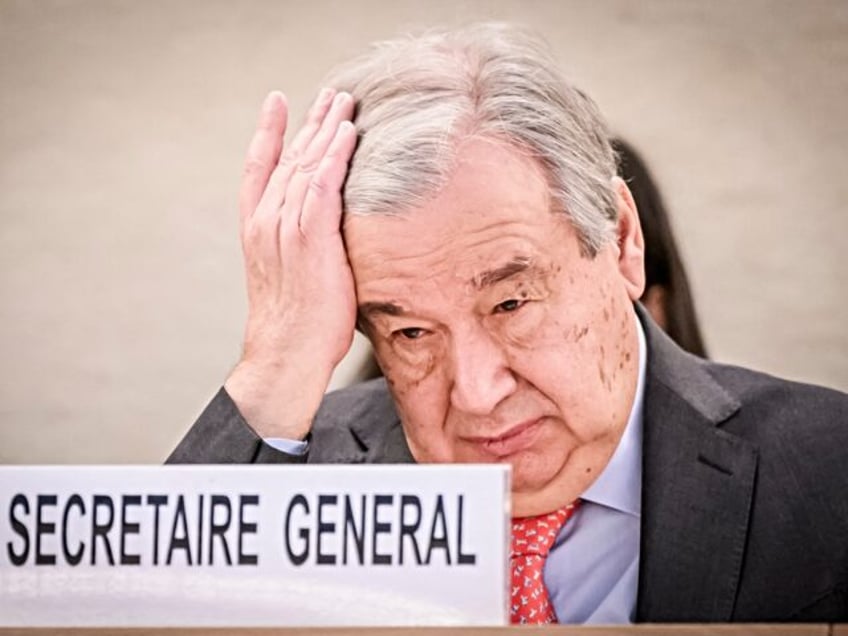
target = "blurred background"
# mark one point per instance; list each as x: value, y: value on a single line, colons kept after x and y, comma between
x: 123, y: 126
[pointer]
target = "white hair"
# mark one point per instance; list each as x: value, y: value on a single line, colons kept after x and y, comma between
x: 418, y: 96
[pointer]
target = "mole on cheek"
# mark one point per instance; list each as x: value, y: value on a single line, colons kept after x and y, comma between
x: 576, y: 333
x: 399, y: 377
x: 400, y: 383
x: 605, y: 379
x: 400, y: 389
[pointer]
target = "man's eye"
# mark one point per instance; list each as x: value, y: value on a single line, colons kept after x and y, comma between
x: 508, y: 306
x: 410, y: 333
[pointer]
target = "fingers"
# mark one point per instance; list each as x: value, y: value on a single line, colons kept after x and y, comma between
x: 275, y: 193
x: 263, y: 153
x: 276, y: 183
x: 322, y: 207
x: 311, y: 157
x: 314, y: 119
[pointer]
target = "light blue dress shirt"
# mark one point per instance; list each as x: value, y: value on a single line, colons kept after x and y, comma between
x: 287, y: 446
x: 592, y: 571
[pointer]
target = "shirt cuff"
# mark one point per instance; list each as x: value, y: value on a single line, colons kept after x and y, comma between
x: 287, y: 446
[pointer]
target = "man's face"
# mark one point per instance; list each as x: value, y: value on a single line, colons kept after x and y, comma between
x: 499, y: 340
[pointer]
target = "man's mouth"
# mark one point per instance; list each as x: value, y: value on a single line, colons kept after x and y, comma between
x: 513, y: 440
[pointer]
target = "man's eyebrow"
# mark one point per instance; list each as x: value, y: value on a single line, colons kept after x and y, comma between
x: 390, y: 309
x: 496, y: 275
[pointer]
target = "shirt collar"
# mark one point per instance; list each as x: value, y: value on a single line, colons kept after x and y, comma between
x: 619, y: 486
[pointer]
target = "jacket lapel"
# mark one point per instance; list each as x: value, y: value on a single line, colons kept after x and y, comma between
x: 378, y: 432
x: 697, y: 488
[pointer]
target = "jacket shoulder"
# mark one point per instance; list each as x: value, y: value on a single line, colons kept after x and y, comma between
x: 771, y: 404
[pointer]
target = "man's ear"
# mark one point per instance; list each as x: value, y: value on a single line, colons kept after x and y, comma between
x: 629, y: 240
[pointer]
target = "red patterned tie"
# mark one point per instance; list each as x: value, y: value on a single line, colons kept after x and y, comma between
x: 532, y: 538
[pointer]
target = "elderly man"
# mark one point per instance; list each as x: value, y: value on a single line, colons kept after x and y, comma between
x: 493, y: 259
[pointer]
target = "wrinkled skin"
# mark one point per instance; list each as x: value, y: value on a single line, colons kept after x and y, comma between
x: 500, y: 341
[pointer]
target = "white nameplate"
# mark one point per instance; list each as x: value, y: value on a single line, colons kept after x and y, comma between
x: 254, y: 545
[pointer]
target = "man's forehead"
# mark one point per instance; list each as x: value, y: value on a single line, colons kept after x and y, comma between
x: 412, y: 295
x: 468, y: 244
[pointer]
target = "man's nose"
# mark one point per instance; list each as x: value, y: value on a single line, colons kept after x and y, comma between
x: 482, y: 377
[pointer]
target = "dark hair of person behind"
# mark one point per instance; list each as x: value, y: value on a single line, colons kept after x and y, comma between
x: 663, y: 265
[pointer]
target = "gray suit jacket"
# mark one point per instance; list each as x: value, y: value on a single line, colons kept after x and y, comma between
x: 744, y: 491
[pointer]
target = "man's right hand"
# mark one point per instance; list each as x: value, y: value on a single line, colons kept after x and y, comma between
x: 301, y: 298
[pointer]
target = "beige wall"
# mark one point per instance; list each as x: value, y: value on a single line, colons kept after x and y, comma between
x: 122, y: 127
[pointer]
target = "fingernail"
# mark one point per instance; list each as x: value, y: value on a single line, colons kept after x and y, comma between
x: 271, y: 100
x: 326, y: 95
